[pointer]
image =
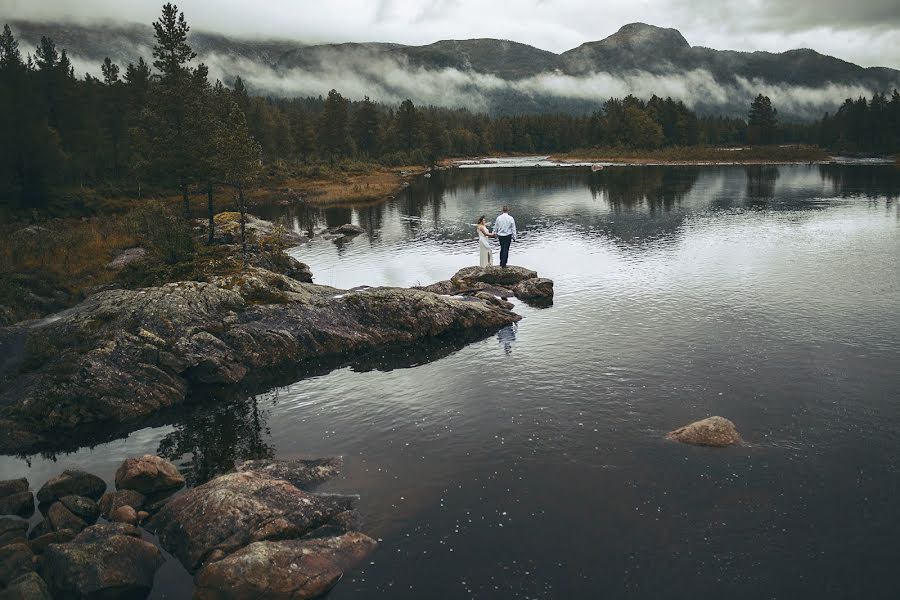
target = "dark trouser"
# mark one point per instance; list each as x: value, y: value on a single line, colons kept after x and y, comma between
x: 505, y: 241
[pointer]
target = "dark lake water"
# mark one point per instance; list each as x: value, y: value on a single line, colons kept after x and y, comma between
x: 533, y: 464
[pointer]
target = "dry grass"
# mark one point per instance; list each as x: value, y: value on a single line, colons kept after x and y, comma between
x: 370, y: 183
x: 72, y: 250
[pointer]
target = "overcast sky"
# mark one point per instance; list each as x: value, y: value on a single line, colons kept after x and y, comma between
x: 866, y: 32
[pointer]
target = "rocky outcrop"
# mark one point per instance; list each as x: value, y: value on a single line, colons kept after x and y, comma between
x: 71, y: 482
x: 284, y: 570
x: 126, y: 257
x: 259, y: 231
x: 303, y: 474
x: 712, y: 431
x: 148, y: 474
x: 227, y: 513
x: 499, y: 282
x: 101, y: 563
x: 536, y: 290
x: 121, y: 355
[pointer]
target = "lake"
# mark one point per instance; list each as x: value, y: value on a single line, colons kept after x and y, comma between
x: 533, y: 463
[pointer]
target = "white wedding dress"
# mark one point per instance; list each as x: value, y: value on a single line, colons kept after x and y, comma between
x: 487, y: 257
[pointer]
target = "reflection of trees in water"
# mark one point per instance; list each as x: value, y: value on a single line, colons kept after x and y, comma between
x: 659, y: 188
x: 863, y: 180
x: 761, y: 181
x: 218, y: 434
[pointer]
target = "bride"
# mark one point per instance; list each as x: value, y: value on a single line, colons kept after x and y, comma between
x: 487, y: 258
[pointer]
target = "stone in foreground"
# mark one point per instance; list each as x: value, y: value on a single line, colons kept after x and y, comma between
x: 15, y: 560
x: 283, y: 570
x: 71, y: 482
x: 20, y: 504
x: 502, y: 276
x: 95, y: 565
x: 26, y: 587
x: 222, y: 516
x: 302, y: 473
x: 712, y: 431
x: 148, y: 474
x: 12, y: 530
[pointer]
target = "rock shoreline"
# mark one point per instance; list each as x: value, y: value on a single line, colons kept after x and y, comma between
x: 123, y: 355
x: 255, y: 532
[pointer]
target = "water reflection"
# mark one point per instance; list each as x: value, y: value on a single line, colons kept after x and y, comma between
x: 761, y: 181
x: 219, y: 433
x: 507, y: 337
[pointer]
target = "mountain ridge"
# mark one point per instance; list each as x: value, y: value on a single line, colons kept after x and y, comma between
x: 501, y: 74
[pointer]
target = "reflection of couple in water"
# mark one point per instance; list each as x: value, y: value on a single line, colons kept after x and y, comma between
x: 504, y: 231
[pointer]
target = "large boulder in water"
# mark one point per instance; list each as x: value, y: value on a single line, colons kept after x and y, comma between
x: 229, y: 512
x: 303, y: 474
x: 71, y: 482
x: 148, y: 474
x: 101, y: 562
x: 536, y: 290
x: 502, y: 276
x: 712, y: 431
x: 283, y: 570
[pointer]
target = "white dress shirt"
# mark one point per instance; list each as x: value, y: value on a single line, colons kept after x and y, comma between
x: 505, y: 225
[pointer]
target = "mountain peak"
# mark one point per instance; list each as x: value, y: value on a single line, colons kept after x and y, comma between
x: 642, y: 37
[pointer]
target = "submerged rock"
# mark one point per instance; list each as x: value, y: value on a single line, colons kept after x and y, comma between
x: 225, y: 514
x: 97, y: 565
x: 71, y: 482
x: 304, y: 474
x: 121, y: 355
x: 148, y: 474
x: 712, y: 431
x: 283, y: 570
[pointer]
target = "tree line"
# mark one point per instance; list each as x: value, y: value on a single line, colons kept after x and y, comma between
x: 164, y: 122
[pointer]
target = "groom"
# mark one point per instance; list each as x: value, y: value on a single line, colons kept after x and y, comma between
x: 505, y: 228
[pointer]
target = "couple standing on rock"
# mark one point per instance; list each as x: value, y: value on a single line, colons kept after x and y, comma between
x: 504, y: 231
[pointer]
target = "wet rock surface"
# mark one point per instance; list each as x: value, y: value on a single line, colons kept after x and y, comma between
x: 231, y: 511
x: 124, y: 354
x: 101, y: 564
x: 71, y: 482
x: 536, y: 290
x: 712, y: 431
x: 148, y: 474
x: 303, y: 474
x: 498, y: 282
x: 288, y: 570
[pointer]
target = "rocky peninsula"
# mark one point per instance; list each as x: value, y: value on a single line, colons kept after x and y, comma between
x: 125, y: 354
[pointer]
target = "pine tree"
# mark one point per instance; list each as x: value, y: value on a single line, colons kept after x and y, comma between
x: 334, y: 134
x: 365, y: 127
x: 407, y: 123
x: 762, y: 124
